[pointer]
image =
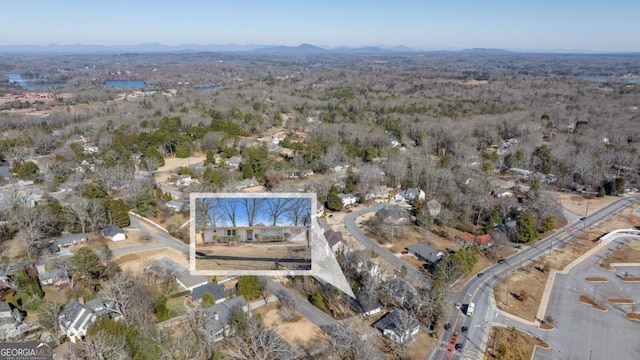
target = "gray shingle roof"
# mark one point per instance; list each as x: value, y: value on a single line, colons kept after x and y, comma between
x: 425, y: 251
x: 392, y: 321
x: 69, y: 239
x: 333, y: 237
x: 4, y: 172
x: 112, y: 230
x: 223, y: 311
x: 212, y: 288
x: 367, y: 301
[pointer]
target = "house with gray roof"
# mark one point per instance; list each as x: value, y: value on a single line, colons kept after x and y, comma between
x: 425, y: 252
x: 10, y: 321
x: 114, y: 233
x: 409, y: 195
x: 335, y: 240
x: 369, y: 303
x: 398, y: 326
x: 165, y: 266
x: 434, y: 207
x: 75, y: 319
x: 394, y: 214
x: 234, y: 162
x: 219, y: 315
x: 216, y: 290
x: 70, y: 239
x: 54, y: 277
x: 175, y: 205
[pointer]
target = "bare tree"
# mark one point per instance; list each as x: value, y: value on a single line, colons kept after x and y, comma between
x: 208, y: 211
x: 103, y: 345
x: 229, y: 209
x: 77, y: 207
x: 131, y: 300
x: 257, y: 343
x: 350, y: 343
x: 298, y: 211
x: 33, y: 225
x: 276, y: 208
x: 48, y: 319
x: 97, y: 215
x: 252, y: 207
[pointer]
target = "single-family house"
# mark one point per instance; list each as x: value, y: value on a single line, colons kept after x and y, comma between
x: 245, y: 183
x: 91, y: 149
x: 190, y: 282
x: 167, y: 268
x: 175, y: 205
x: 369, y: 303
x: 348, y: 199
x: 483, y: 241
x: 378, y: 192
x: 341, y: 166
x: 234, y: 162
x: 212, y: 235
x: 23, y: 183
x: 410, y: 194
x: 10, y: 320
x: 394, y: 214
x: 114, y: 233
x: 5, y: 173
x: 75, y: 319
x: 425, y: 253
x: 98, y: 306
x: 398, y: 325
x: 216, y: 290
x: 335, y: 240
x: 434, y: 207
x: 76, y: 138
x: 184, y: 181
x: 218, y: 317
x: 55, y: 277
x: 70, y: 239
x: 520, y: 172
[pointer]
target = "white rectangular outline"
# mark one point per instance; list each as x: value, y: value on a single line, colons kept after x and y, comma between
x: 192, y: 233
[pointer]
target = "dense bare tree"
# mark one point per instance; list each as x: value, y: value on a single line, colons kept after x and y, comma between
x: 350, y: 343
x: 252, y: 207
x: 257, y: 342
x: 33, y: 224
x: 48, y: 319
x: 298, y: 211
x: 276, y: 207
x: 131, y: 299
x: 78, y: 209
x: 229, y: 208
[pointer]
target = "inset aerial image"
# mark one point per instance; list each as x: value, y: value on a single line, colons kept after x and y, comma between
x: 253, y: 232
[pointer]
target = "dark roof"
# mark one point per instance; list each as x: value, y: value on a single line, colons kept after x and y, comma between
x: 69, y: 239
x: 212, y: 288
x: 112, y: 230
x: 333, y: 237
x: 393, y: 213
x: 425, y: 251
x: 392, y: 321
x: 74, y: 310
x: 223, y: 310
x: 55, y: 273
x: 4, y: 306
x: 367, y: 301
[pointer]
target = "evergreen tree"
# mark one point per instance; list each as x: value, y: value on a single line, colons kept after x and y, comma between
x: 334, y: 203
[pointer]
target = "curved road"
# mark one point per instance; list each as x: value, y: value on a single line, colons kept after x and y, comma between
x: 480, y: 289
x: 397, y: 263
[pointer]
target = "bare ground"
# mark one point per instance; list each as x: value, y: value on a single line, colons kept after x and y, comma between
x: 577, y: 204
x: 253, y: 257
x: 139, y: 261
x: 532, y: 281
x: 586, y: 299
x: 174, y: 162
x: 300, y: 331
x: 628, y: 253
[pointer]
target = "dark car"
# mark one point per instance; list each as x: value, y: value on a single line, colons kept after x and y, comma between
x: 464, y: 329
x: 459, y: 346
x: 582, y: 218
x: 480, y: 274
x: 502, y: 261
x: 447, y: 326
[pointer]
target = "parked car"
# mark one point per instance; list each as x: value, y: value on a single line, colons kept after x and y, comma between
x: 447, y: 326
x: 404, y: 252
x: 458, y: 305
x: 459, y: 346
x: 464, y: 329
x: 502, y: 261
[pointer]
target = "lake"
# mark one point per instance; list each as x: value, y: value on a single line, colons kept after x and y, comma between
x: 125, y: 84
x: 206, y: 88
x: 28, y: 83
x: 603, y: 79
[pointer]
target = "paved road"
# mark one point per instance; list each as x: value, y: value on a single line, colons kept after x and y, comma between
x: 397, y: 263
x: 162, y: 237
x: 480, y: 289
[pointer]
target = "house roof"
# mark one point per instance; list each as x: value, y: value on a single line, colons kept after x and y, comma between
x: 411, y: 193
x: 393, y: 321
x: 234, y: 160
x: 393, y: 213
x: 425, y: 251
x: 212, y: 288
x: 176, y: 204
x: 345, y: 196
x: 112, y: 230
x: 75, y: 315
x: 70, y: 238
x: 55, y: 273
x: 189, y: 280
x: 333, y: 237
x: 95, y: 304
x: 477, y: 239
x: 223, y: 310
x: 4, y: 306
x: 367, y: 301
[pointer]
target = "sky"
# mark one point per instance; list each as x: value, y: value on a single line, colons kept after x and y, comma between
x: 426, y: 24
x: 262, y: 215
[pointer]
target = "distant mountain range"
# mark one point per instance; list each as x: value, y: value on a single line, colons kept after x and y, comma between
x: 306, y: 49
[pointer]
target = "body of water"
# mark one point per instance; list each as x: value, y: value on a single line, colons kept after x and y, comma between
x: 30, y: 83
x: 125, y: 84
x: 206, y: 88
x: 603, y: 79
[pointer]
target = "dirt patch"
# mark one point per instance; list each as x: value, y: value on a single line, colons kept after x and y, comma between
x: 578, y: 204
x: 140, y: 260
x: 509, y: 343
x: 172, y: 163
x: 134, y: 238
x: 633, y: 316
x: 474, y: 82
x: 254, y: 257
x: 628, y: 253
x: 630, y: 279
x: 531, y: 281
x: 586, y: 299
x: 596, y: 279
x: 300, y: 331
x: 621, y: 301
x: 547, y: 327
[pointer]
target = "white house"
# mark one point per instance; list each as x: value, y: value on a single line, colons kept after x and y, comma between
x: 398, y: 326
x: 175, y: 205
x: 409, y: 194
x: 114, y: 233
x: 369, y: 303
x: 348, y: 199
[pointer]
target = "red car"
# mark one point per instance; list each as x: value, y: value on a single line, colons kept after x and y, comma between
x: 404, y: 252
